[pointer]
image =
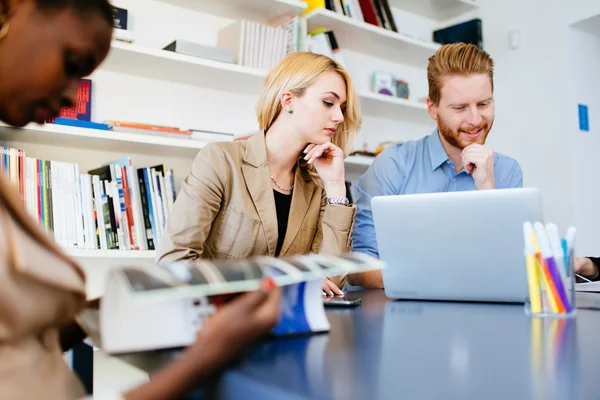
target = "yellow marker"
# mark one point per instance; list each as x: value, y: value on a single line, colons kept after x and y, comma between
x: 550, y: 289
x: 533, y: 278
x: 534, y: 285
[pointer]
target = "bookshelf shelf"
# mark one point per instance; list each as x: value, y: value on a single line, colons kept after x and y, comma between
x: 180, y: 68
x: 383, y: 106
x: 255, y: 10
x: 94, y: 139
x: 365, y: 38
x: 112, y: 254
x: 436, y: 9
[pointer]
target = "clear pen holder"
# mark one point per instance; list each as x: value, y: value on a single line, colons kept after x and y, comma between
x: 553, y: 288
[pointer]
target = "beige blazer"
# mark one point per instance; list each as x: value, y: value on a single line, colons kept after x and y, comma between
x: 226, y: 210
x: 40, y: 289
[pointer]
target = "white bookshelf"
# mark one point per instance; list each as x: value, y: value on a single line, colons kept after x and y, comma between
x: 180, y: 68
x: 168, y: 66
x: 95, y: 139
x: 372, y: 40
x: 255, y: 9
x: 382, y: 106
x: 439, y: 10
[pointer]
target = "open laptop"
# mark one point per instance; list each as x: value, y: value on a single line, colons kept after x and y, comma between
x: 461, y: 246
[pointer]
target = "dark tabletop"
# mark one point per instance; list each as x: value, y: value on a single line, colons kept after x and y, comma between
x: 422, y: 350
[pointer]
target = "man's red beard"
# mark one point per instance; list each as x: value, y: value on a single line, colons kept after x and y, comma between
x: 455, y: 139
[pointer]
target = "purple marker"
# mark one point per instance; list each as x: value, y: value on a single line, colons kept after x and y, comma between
x: 546, y: 251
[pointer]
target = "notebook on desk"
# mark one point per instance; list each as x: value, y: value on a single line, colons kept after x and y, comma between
x: 459, y: 246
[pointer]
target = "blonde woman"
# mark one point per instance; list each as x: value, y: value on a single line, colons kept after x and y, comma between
x: 281, y: 191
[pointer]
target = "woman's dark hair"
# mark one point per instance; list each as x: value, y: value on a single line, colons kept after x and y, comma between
x: 81, y: 6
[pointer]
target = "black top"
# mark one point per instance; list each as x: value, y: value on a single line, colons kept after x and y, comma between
x: 282, y: 205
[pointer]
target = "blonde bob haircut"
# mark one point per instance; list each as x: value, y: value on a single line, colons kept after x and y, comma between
x: 295, y: 73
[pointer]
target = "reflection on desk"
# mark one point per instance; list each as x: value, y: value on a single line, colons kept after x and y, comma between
x: 423, y: 350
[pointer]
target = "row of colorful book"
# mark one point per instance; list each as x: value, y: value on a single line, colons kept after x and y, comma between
x: 114, y: 206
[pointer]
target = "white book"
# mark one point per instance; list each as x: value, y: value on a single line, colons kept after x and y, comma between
x: 169, y: 189
x: 80, y: 225
x: 283, y: 44
x: 87, y: 240
x: 255, y: 44
x: 267, y: 58
x: 29, y: 186
x: 248, y: 29
x: 262, y: 39
x: 66, y: 221
x: 90, y: 223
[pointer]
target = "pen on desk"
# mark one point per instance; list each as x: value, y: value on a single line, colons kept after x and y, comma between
x: 562, y: 301
x: 533, y: 281
x: 549, y: 288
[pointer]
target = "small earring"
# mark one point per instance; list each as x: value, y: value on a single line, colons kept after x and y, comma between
x: 3, y: 28
x: 289, y: 111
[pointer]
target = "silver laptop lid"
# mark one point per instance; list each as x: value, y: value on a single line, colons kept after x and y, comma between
x: 465, y: 246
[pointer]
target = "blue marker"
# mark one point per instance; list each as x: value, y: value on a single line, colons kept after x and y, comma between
x: 565, y: 248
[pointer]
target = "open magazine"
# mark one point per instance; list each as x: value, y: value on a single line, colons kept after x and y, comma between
x: 165, y: 306
x: 207, y: 278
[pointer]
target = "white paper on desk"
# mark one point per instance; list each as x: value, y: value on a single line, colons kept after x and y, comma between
x: 588, y: 287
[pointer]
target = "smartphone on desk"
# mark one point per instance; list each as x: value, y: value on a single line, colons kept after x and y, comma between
x: 340, y: 301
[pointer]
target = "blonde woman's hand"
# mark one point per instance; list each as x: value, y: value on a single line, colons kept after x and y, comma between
x: 328, y: 160
x: 330, y: 288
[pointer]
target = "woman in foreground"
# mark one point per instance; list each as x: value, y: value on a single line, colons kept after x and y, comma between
x: 46, y: 46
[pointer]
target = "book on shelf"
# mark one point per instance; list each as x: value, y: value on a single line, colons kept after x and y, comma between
x: 150, y: 129
x: 139, y: 302
x: 374, y: 12
x: 263, y: 46
x: 114, y: 206
x: 82, y: 110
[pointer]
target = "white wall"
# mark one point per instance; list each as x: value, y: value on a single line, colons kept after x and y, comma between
x: 531, y: 96
x: 584, y: 60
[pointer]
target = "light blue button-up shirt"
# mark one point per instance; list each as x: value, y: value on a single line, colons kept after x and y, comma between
x: 420, y: 166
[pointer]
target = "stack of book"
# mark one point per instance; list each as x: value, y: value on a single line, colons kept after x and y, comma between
x: 114, y: 206
x: 263, y: 45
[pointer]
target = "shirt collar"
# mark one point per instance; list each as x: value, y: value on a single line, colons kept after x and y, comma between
x: 437, y: 154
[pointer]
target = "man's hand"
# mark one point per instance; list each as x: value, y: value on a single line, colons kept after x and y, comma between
x: 584, y: 266
x: 478, y: 161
